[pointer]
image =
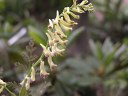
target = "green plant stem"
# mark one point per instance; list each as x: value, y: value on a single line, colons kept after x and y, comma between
x: 22, y: 91
x: 12, y: 94
x: 36, y: 64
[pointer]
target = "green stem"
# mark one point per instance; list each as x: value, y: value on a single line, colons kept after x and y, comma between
x: 36, y: 64
x: 29, y: 72
x: 22, y: 91
x: 9, y: 91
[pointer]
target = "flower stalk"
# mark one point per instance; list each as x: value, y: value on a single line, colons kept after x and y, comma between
x: 56, y: 44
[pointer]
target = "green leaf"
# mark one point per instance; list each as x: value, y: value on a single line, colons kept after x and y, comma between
x: 114, y: 53
x: 93, y: 47
x: 100, y: 54
x: 75, y: 35
x: 2, y: 5
x: 36, y: 35
x: 78, y: 71
x: 110, y: 58
x: 107, y: 47
x: 24, y: 92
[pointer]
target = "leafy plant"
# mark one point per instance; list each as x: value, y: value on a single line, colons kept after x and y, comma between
x: 56, y: 42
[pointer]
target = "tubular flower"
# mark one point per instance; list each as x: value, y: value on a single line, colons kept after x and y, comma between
x: 57, y: 28
x: 1, y: 89
x: 27, y: 85
x: 51, y: 64
x: 2, y: 84
x: 50, y: 24
x: 61, y: 20
x: 56, y: 50
x: 23, y: 82
x: 59, y: 31
x: 33, y: 74
x: 46, y: 51
x: 42, y: 70
x: 26, y: 82
x: 51, y: 41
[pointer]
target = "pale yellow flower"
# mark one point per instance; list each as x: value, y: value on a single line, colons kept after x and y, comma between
x: 66, y: 28
x: 73, y: 15
x: 62, y: 21
x: 27, y: 85
x: 1, y: 89
x: 74, y: 2
x: 60, y: 41
x: 83, y: 2
x: 33, y: 74
x: 50, y: 24
x: 2, y: 82
x: 67, y: 18
x: 56, y: 50
x: 42, y: 70
x: 51, y: 64
x: 59, y: 31
x: 50, y: 40
x: 46, y: 51
x: 77, y: 9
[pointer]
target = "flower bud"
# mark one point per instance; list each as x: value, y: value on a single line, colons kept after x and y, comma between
x: 77, y: 10
x: 22, y: 83
x: 51, y: 34
x: 91, y: 8
x: 50, y: 24
x: 88, y: 7
x: 51, y: 42
x: 64, y: 22
x: 83, y: 2
x: 74, y: 16
x: 57, y: 15
x: 67, y: 18
x: 66, y: 28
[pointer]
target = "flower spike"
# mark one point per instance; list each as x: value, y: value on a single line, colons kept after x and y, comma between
x: 57, y: 39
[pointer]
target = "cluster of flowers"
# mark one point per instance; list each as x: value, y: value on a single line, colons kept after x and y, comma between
x: 57, y: 38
